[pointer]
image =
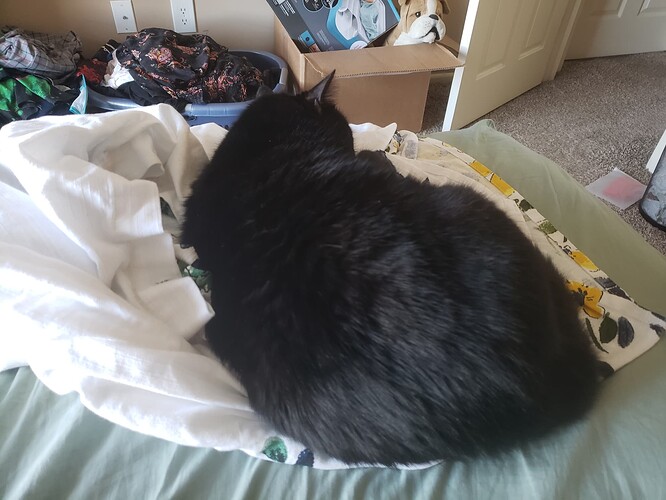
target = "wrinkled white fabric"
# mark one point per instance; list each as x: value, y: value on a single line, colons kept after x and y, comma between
x: 91, y: 297
x: 116, y: 74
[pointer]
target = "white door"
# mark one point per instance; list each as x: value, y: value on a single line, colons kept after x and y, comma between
x: 613, y: 27
x: 508, y: 47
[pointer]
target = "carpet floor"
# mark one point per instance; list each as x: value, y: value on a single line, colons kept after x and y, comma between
x: 596, y: 115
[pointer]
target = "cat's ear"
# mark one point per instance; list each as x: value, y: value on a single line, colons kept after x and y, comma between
x: 262, y: 91
x: 318, y: 93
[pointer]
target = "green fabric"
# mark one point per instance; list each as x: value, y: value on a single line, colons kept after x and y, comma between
x: 36, y: 85
x: 52, y: 447
x: 33, y: 84
x: 7, y: 100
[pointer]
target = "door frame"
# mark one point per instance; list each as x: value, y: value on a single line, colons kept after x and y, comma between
x: 554, y: 65
x: 564, y: 38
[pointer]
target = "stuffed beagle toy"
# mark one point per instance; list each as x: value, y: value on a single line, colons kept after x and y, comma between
x: 420, y: 22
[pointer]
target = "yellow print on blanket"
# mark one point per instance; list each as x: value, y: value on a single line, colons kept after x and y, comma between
x: 587, y: 297
x: 580, y: 258
x: 619, y: 328
x: 480, y: 168
x: 542, y: 223
x: 500, y: 184
x: 494, y: 179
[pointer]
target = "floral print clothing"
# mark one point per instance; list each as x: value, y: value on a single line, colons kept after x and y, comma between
x: 189, y: 68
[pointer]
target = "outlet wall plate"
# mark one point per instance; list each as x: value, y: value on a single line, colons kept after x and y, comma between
x: 123, y: 15
x: 184, y: 19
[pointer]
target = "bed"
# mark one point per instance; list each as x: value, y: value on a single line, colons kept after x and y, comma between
x: 53, y: 446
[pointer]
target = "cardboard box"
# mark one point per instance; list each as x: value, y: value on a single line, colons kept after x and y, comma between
x: 381, y: 85
x: 321, y: 25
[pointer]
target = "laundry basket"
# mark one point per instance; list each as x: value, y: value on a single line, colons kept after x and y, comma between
x: 223, y: 114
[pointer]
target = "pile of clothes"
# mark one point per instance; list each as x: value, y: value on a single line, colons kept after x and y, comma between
x: 158, y: 65
x: 42, y: 73
x: 35, y: 73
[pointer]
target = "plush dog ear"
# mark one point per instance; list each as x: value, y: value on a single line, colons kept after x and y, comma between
x: 319, y: 91
x: 445, y: 6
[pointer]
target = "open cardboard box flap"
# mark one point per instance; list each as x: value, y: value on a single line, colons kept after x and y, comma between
x: 384, y: 60
x: 381, y: 85
x: 309, y: 69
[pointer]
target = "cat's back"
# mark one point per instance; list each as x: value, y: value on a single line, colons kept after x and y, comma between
x: 372, y: 316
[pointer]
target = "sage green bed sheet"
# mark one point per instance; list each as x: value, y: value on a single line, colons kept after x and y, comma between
x: 52, y: 447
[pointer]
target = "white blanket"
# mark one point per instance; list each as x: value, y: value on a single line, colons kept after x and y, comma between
x: 91, y: 297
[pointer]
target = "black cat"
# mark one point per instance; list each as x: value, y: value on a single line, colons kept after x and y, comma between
x: 373, y: 317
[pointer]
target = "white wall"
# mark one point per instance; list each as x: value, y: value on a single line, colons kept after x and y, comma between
x: 238, y: 24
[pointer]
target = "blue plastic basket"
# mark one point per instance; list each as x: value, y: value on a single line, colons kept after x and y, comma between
x: 223, y: 114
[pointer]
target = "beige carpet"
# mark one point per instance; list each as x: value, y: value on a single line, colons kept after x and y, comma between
x: 595, y: 115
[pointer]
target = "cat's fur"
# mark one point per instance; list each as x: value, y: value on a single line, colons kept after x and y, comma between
x: 373, y: 317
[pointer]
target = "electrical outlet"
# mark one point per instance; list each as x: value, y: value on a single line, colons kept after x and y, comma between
x: 184, y: 20
x: 123, y: 15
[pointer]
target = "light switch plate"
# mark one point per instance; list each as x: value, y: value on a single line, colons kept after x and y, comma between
x: 123, y: 15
